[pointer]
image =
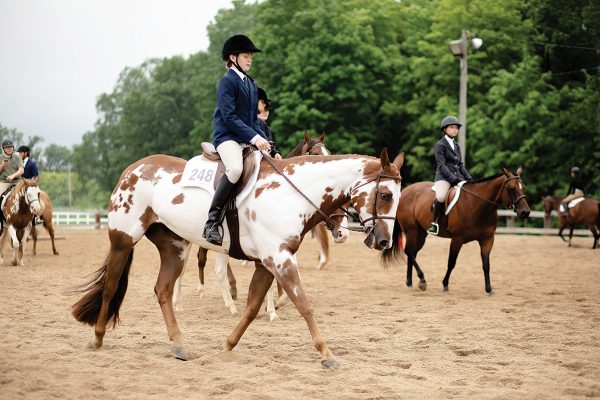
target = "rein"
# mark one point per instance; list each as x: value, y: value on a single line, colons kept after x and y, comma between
x: 513, y: 202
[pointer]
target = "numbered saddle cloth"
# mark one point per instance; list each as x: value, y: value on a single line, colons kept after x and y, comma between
x: 200, y: 172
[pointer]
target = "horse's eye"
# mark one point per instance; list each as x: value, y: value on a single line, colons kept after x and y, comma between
x: 386, y: 196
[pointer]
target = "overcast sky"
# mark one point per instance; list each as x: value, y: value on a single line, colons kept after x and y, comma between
x: 57, y: 56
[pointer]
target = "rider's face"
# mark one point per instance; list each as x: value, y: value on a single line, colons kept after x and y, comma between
x: 451, y: 130
x: 244, y: 60
x: 263, y: 112
x: 9, y: 150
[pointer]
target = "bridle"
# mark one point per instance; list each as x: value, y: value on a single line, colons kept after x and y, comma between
x: 27, y: 201
x: 510, y: 191
x: 330, y: 224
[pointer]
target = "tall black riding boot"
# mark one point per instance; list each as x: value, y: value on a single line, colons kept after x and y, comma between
x: 438, y: 210
x: 212, y: 232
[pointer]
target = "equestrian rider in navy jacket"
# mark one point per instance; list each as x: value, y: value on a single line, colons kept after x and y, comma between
x: 450, y: 168
x: 31, y: 170
x: 235, y: 126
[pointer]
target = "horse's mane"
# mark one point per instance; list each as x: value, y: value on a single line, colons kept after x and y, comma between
x: 488, y: 178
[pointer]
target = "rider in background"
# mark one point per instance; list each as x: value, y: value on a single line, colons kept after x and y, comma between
x: 30, y: 167
x: 575, y: 189
x: 264, y: 107
x: 11, y: 166
x: 450, y: 168
x: 235, y: 126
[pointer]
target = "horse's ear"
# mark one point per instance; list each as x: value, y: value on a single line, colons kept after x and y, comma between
x: 385, y: 161
x: 506, y: 172
x: 520, y: 171
x: 399, y: 160
x: 306, y: 137
x: 322, y: 137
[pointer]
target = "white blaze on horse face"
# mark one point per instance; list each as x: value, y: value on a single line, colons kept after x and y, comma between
x: 32, y: 194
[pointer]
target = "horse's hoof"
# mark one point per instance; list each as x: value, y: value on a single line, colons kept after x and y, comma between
x: 179, y: 353
x: 272, y: 316
x: 445, y: 289
x: 408, y: 284
x: 490, y: 292
x: 14, y: 263
x: 56, y: 253
x: 423, y: 286
x: 330, y: 363
x: 233, y: 310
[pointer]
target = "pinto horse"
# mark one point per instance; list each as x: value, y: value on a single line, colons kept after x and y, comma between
x: 19, y: 208
x: 273, y: 219
x: 474, y: 217
x: 46, y: 222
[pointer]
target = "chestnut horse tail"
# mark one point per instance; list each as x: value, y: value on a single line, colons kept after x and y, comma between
x: 393, y: 254
x: 598, y: 215
x: 86, y: 310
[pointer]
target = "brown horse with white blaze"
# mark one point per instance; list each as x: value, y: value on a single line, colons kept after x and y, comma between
x: 474, y: 217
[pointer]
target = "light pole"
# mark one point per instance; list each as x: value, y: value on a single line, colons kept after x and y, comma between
x: 460, y: 47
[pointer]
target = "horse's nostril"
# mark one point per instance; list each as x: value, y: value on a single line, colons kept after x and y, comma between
x: 383, y: 244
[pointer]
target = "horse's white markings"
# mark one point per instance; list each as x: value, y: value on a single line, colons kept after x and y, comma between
x: 520, y: 186
x: 183, y: 245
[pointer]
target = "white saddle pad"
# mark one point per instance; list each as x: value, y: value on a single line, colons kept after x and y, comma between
x: 572, y: 203
x: 456, y: 196
x: 200, y: 173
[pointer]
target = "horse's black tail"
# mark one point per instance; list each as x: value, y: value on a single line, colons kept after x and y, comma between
x: 394, y: 254
x: 87, y: 309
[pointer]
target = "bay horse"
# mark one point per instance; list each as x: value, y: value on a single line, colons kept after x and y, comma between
x: 586, y: 212
x: 550, y: 203
x: 46, y: 222
x: 474, y: 217
x: 149, y: 200
x: 225, y: 276
x: 19, y: 208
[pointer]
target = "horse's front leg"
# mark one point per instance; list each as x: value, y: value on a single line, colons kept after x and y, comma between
x: 571, y: 228
x: 25, y: 235
x: 486, y: 247
x: 202, y: 258
x: 14, y: 243
x: 321, y: 234
x: 286, y: 271
x: 455, y: 247
x: 178, y: 289
x: 259, y: 285
x: 271, y: 313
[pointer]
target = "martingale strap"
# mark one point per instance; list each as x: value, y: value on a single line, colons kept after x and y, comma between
x: 233, y: 222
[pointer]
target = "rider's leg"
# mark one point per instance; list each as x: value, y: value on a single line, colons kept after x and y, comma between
x: 441, y: 190
x: 231, y: 154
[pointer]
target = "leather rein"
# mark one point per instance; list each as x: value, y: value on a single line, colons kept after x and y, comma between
x: 513, y: 201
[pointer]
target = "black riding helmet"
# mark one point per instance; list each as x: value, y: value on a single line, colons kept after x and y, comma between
x: 262, y: 95
x: 7, y: 143
x: 238, y: 44
x: 449, y: 120
x: 23, y: 149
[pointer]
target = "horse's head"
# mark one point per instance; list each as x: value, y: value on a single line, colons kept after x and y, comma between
x: 514, y: 195
x: 375, y: 198
x: 31, y: 194
x: 314, y: 147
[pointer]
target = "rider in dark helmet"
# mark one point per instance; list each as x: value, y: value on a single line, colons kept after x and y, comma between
x: 235, y: 126
x: 575, y: 189
x: 450, y: 168
x: 11, y: 166
x: 31, y: 170
x: 264, y: 108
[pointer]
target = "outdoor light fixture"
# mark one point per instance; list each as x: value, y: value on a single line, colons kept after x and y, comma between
x: 459, y: 47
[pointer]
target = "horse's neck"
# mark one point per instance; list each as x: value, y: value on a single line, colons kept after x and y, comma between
x: 490, y: 190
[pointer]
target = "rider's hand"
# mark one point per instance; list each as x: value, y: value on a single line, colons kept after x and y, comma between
x: 10, y: 178
x: 262, y: 144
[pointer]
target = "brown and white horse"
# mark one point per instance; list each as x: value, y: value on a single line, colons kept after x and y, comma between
x: 273, y: 219
x: 20, y: 206
x: 46, y: 222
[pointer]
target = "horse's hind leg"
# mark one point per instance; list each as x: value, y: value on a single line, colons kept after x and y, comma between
x: 50, y: 228
x: 271, y: 313
x: 486, y: 247
x: 202, y: 257
x: 323, y: 239
x: 259, y: 285
x: 34, y: 237
x: 173, y: 252
x: 571, y: 228
x: 232, y: 282
x: 455, y: 246
x: 596, y: 235
x: 222, y: 261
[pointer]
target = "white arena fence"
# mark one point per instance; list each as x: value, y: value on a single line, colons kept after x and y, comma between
x: 99, y: 219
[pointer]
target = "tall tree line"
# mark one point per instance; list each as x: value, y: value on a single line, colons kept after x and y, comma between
x: 380, y: 74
